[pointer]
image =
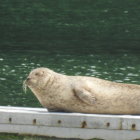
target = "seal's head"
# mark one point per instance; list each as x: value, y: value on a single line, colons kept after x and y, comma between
x: 37, y: 79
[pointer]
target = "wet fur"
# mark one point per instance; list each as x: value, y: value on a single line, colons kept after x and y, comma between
x: 58, y: 92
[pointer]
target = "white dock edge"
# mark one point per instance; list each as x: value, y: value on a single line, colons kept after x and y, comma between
x: 39, y: 122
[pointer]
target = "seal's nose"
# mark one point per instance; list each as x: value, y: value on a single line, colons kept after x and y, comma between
x: 28, y: 79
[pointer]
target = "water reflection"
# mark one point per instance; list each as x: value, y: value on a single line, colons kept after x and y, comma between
x: 2, y: 79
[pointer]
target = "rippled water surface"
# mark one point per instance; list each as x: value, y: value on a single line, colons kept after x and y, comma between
x: 16, y: 64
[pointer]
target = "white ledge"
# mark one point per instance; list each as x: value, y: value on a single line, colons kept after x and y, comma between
x: 38, y: 121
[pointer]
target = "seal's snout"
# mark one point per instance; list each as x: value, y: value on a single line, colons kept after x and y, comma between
x: 26, y: 83
x: 28, y: 79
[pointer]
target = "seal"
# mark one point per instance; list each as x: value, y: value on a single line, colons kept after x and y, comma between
x: 58, y: 92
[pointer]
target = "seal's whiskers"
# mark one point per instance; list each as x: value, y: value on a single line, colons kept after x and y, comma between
x: 24, y: 86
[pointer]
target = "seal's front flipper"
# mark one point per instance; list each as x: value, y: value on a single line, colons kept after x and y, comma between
x: 85, y: 96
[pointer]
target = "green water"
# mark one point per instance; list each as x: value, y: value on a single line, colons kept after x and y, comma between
x: 74, y: 37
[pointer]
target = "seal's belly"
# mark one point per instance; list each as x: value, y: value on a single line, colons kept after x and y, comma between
x: 115, y: 103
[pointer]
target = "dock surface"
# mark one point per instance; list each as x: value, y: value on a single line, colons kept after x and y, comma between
x: 40, y: 122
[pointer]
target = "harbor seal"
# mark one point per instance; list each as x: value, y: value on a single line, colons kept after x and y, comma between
x: 58, y: 92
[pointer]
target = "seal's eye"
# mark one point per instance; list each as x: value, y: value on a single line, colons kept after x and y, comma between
x: 39, y: 73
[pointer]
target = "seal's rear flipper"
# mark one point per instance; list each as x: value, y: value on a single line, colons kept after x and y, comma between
x: 84, y: 96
